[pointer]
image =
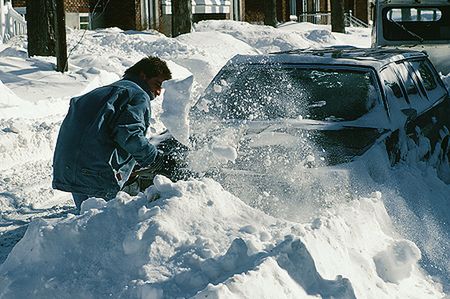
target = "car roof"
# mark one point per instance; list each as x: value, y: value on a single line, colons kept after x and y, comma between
x: 338, y: 55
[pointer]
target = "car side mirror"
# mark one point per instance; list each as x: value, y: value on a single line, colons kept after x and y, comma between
x: 410, y: 113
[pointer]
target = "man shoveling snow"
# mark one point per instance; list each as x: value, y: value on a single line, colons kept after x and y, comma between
x: 103, y: 134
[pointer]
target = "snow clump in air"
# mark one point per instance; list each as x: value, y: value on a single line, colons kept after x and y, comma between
x: 176, y: 105
x: 396, y: 262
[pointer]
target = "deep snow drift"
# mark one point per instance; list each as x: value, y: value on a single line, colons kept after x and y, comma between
x: 197, y: 239
x: 361, y: 230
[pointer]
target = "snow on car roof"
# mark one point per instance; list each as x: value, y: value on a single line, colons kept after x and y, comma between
x: 366, y: 57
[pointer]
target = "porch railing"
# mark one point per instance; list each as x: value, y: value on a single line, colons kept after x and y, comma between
x: 324, y: 18
x: 11, y: 22
x: 352, y: 21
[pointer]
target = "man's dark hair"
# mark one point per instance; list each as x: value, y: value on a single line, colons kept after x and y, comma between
x: 151, y: 66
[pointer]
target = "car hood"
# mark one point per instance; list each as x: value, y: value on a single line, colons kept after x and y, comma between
x: 329, y: 143
x: 309, y: 124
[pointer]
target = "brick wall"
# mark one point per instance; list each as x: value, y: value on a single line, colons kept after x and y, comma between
x: 19, y: 3
x: 77, y: 5
x: 70, y: 5
x: 124, y: 14
x: 138, y: 23
x: 254, y: 11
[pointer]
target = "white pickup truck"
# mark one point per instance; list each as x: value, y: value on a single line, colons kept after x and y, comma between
x: 415, y: 24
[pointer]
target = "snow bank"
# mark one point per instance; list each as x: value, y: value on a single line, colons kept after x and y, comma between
x: 209, y: 58
x: 115, y: 50
x: 8, y: 98
x: 195, y: 239
x: 22, y: 141
x: 30, y: 94
x: 265, y: 39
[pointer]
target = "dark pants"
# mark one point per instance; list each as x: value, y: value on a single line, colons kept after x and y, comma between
x: 78, y: 198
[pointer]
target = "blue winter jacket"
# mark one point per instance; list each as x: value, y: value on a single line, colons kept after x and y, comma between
x: 102, y: 137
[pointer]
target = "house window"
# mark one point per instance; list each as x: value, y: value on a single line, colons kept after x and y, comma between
x: 84, y: 21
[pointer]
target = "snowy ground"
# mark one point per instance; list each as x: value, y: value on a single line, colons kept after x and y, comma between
x: 364, y: 230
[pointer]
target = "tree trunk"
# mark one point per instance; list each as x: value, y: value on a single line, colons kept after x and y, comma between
x: 337, y: 16
x: 270, y: 13
x: 41, y: 28
x: 362, y: 10
x: 61, y: 42
x: 181, y: 17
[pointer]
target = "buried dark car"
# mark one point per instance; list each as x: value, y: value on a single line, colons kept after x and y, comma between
x: 268, y: 115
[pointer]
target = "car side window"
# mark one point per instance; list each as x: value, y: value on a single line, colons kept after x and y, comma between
x: 406, y: 73
x: 392, y: 88
x: 410, y: 85
x: 429, y: 80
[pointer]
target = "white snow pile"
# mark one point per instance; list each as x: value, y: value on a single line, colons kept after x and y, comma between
x: 26, y: 141
x: 8, y: 98
x: 195, y: 239
x: 360, y: 230
x: 287, y: 37
x: 267, y: 39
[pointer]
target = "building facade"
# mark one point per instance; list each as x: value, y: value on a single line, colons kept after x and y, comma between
x: 157, y: 14
x: 315, y: 11
x: 139, y: 14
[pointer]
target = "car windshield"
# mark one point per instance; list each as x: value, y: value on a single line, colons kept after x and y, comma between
x: 259, y: 92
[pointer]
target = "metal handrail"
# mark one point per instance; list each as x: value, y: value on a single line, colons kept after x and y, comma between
x: 352, y: 21
x: 315, y: 17
x: 325, y: 19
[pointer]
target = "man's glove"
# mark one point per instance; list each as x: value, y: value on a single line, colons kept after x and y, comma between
x: 154, y: 167
x: 158, y: 163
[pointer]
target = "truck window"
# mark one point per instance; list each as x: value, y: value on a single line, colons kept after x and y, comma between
x: 416, y: 24
x: 412, y: 14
